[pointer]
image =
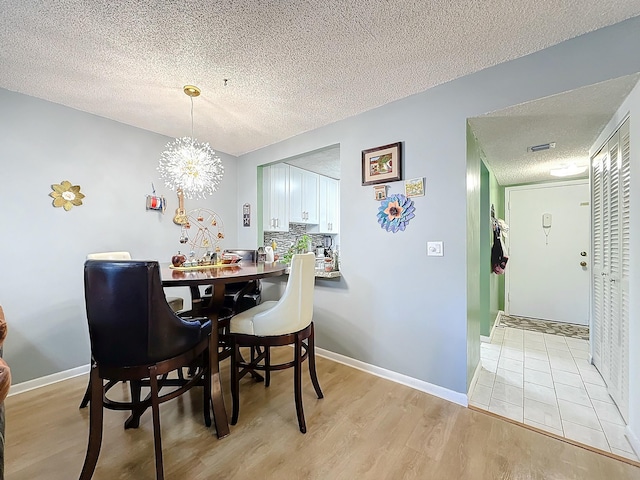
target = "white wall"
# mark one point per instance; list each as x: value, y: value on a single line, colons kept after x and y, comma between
x: 41, y: 286
x: 395, y: 307
x: 631, y: 106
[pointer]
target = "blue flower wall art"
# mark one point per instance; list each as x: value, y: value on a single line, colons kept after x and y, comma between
x: 395, y: 212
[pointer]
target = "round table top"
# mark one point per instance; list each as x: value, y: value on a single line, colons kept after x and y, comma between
x: 219, y: 274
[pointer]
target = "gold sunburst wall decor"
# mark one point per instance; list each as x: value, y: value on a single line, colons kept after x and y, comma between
x: 66, y: 195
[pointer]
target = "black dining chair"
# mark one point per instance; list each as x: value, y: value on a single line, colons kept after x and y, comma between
x: 238, y: 297
x: 241, y: 296
x: 136, y: 337
x: 176, y: 303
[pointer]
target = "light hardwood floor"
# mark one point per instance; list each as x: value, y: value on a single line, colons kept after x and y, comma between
x: 364, y: 428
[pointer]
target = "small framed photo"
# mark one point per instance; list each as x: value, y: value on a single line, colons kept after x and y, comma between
x: 380, y: 192
x: 414, y: 187
x: 382, y: 164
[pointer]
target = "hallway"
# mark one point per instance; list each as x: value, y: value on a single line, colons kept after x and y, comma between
x: 547, y: 382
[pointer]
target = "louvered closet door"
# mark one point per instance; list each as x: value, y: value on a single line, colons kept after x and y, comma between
x: 610, y: 183
x: 621, y: 342
x: 597, y: 298
x: 602, y: 285
x: 612, y: 281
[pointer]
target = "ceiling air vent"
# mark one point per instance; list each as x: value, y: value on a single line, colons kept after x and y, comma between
x: 539, y: 148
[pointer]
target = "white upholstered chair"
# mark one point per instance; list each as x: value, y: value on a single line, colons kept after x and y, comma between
x: 109, y: 256
x: 285, y: 322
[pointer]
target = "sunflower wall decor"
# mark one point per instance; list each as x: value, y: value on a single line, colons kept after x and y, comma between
x: 66, y: 195
x: 394, y: 212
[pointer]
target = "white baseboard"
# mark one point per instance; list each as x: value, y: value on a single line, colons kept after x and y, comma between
x: 444, y: 393
x: 474, y: 379
x: 484, y: 338
x: 48, y: 380
x: 633, y: 440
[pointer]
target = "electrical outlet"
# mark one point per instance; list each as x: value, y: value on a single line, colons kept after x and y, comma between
x: 435, y: 249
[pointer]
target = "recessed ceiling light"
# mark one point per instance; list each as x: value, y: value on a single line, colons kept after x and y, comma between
x: 543, y: 146
x: 568, y: 171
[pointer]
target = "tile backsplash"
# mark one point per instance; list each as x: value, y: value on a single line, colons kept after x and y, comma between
x: 284, y: 240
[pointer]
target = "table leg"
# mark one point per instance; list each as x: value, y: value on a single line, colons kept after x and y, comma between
x: 219, y: 413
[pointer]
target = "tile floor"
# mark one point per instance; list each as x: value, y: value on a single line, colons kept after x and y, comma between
x: 546, y: 381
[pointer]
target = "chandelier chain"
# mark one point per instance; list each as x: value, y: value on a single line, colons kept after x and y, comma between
x: 191, y: 117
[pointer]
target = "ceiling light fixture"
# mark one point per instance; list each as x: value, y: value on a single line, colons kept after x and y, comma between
x: 544, y: 146
x: 188, y: 165
x: 568, y: 171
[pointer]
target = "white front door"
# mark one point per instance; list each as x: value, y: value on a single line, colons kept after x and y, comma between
x: 548, y: 242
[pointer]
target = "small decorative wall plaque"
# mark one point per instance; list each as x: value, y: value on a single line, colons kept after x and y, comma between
x: 66, y: 195
x: 380, y: 192
x: 156, y: 202
x: 246, y: 215
x: 414, y: 187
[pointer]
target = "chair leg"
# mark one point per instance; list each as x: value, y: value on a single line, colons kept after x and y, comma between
x: 133, y: 421
x: 95, y: 425
x: 235, y: 381
x: 255, y: 352
x: 267, y: 363
x: 155, y: 409
x: 87, y: 396
x: 207, y: 402
x: 312, y: 362
x: 297, y: 383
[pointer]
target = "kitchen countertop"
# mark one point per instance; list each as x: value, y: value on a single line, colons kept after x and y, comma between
x: 322, y: 273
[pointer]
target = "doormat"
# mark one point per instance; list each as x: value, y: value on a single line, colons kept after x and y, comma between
x: 546, y: 326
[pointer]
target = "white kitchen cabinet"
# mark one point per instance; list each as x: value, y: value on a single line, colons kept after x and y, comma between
x: 329, y: 205
x: 303, y: 196
x: 275, y: 196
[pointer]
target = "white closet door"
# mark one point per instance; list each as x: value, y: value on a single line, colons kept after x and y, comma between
x: 597, y: 299
x: 621, y: 395
x: 613, y: 284
x: 610, y: 182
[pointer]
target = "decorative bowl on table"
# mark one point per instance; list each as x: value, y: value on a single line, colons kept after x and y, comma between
x: 228, y: 258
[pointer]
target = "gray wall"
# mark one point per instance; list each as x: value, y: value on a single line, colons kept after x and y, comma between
x: 41, y: 286
x: 395, y: 307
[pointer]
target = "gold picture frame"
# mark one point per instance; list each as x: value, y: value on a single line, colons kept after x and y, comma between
x: 382, y: 164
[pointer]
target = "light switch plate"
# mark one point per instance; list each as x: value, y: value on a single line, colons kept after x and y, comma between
x: 435, y: 249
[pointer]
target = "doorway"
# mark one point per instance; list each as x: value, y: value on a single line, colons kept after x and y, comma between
x: 548, y: 248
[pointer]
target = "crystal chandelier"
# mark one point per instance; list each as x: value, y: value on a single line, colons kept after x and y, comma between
x: 189, y: 165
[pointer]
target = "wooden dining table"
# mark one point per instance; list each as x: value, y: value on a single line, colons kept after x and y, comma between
x: 216, y: 277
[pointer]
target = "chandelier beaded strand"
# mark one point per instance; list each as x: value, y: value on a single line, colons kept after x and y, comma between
x: 189, y: 165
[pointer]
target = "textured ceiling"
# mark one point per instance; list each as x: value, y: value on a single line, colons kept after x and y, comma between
x: 325, y: 161
x: 572, y: 120
x: 291, y: 65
